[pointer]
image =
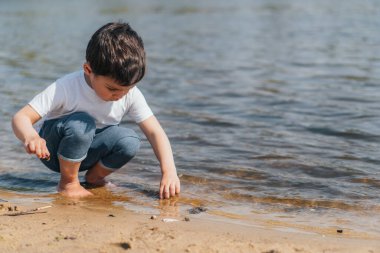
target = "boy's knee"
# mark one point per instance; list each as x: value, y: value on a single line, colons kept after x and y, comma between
x: 129, y: 143
x: 125, y: 145
x: 80, y: 126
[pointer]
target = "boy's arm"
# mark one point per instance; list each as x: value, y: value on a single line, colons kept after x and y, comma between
x: 22, y: 124
x: 170, y: 184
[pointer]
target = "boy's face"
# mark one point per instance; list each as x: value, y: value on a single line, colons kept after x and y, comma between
x: 106, y: 88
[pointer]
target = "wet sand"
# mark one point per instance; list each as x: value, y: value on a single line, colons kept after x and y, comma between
x: 41, y: 224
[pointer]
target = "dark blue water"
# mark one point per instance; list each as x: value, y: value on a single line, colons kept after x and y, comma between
x: 272, y: 107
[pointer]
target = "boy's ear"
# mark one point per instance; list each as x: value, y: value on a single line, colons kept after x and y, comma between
x: 87, y: 68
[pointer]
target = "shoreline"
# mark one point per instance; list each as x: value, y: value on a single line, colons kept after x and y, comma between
x: 96, y: 225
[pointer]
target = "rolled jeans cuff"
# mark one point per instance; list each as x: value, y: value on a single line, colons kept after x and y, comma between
x: 78, y: 160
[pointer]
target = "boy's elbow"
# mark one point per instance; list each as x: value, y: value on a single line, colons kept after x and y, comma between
x: 17, y: 116
x: 15, y: 120
x: 19, y: 119
x: 25, y: 115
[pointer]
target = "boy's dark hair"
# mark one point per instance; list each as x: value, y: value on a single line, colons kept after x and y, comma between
x: 117, y: 51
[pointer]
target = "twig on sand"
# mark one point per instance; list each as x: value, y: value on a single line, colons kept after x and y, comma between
x: 40, y: 208
x: 30, y: 211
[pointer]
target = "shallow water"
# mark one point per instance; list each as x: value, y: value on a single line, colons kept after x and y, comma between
x: 272, y: 107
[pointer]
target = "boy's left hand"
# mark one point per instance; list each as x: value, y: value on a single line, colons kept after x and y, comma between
x: 169, y: 186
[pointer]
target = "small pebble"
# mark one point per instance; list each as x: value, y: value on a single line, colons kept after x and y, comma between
x: 111, y: 215
x: 125, y: 245
x: 340, y: 231
x: 153, y: 217
x: 197, y: 210
x: 187, y: 219
x: 169, y: 220
x: 69, y: 238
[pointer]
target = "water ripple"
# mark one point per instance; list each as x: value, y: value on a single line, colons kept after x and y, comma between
x: 349, y: 134
x: 283, y: 111
x: 23, y: 182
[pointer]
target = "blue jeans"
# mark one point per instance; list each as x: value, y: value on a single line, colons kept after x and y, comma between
x: 75, y: 138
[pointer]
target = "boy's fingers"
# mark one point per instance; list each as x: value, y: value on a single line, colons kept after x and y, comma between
x: 164, y: 192
x: 41, y: 149
x: 172, y: 190
x: 167, y: 193
x: 31, y: 148
x: 169, y: 190
x: 161, y: 191
x: 46, y: 153
x: 38, y: 152
x: 27, y: 149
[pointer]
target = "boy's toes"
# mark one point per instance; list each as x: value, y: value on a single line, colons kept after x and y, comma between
x: 74, y: 192
x: 95, y: 183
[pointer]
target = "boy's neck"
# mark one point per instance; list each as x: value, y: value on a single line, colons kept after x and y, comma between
x: 87, y: 79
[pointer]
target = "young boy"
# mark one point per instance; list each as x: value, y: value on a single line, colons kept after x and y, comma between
x: 81, y: 112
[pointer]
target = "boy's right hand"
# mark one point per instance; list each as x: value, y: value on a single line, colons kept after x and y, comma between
x: 37, y: 146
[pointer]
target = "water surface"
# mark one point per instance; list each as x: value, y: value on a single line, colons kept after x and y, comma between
x: 272, y: 107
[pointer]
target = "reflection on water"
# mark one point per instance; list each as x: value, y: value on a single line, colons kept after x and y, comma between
x: 272, y: 107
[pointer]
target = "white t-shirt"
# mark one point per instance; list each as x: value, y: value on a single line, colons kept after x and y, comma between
x: 71, y: 94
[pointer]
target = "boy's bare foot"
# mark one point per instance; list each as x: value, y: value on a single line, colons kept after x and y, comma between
x: 69, y: 185
x: 95, y: 182
x: 96, y: 176
x: 73, y: 190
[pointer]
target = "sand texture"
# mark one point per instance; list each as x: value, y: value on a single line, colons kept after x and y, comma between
x: 61, y: 225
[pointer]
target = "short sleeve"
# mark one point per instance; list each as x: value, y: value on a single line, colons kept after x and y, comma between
x: 47, y: 100
x: 139, y: 109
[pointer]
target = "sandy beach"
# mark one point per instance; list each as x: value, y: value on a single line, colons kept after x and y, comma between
x: 272, y: 110
x: 54, y: 224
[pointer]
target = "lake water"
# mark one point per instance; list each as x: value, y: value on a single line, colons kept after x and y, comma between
x: 272, y: 106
